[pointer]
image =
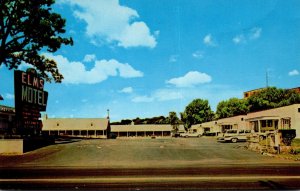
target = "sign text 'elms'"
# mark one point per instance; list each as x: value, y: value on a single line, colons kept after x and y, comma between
x: 32, y: 90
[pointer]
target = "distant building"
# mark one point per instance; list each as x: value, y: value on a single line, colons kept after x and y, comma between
x: 252, y: 92
x: 247, y: 94
x: 7, y: 118
x: 75, y: 127
x: 147, y: 130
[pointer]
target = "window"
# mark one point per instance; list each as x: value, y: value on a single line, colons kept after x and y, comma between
x: 286, y: 123
x: 241, y: 131
x: 57, y: 124
x: 270, y: 123
x: 299, y: 110
x: 232, y: 131
x: 263, y: 123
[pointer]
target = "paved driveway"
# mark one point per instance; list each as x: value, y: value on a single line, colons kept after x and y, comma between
x: 141, y: 153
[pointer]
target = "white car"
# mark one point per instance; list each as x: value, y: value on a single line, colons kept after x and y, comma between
x: 234, y: 135
x: 190, y: 134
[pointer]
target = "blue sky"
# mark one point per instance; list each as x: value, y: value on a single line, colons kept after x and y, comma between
x: 146, y: 58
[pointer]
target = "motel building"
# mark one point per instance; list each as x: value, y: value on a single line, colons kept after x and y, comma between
x: 221, y: 125
x: 142, y: 131
x: 75, y: 127
x: 287, y: 117
x: 7, y: 118
x: 236, y: 122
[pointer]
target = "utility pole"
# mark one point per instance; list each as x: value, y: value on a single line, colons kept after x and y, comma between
x: 107, y: 113
x: 267, y: 79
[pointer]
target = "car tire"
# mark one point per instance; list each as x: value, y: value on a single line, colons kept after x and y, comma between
x: 186, y: 136
x: 234, y: 140
x: 199, y: 136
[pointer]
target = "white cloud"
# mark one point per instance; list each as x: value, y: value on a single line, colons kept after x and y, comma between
x: 89, y: 58
x: 167, y: 94
x: 255, y: 33
x: 9, y: 96
x: 249, y: 35
x: 139, y: 99
x: 209, y: 41
x: 294, y: 73
x: 84, y: 100
x: 198, y: 54
x: 76, y: 73
x: 239, y: 39
x: 190, y: 79
x: 127, y: 90
x: 160, y: 95
x: 109, y: 21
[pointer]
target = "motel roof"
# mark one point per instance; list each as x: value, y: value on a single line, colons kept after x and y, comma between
x: 74, y: 124
x: 139, y: 128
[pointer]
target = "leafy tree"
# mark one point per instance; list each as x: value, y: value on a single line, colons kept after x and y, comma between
x: 137, y: 121
x: 126, y: 122
x: 28, y: 27
x: 232, y: 107
x: 198, y: 111
x: 174, y: 121
x: 272, y: 98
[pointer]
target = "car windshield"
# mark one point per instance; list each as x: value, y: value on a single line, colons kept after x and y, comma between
x: 231, y: 131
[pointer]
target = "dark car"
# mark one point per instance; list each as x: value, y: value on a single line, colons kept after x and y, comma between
x: 112, y: 136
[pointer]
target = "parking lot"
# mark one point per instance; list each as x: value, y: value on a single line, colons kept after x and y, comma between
x: 139, y: 153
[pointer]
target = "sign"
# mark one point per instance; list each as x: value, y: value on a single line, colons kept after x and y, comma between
x: 30, y: 99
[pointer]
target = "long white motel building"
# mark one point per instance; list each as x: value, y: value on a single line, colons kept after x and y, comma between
x: 75, y: 127
x: 132, y: 130
x: 287, y: 117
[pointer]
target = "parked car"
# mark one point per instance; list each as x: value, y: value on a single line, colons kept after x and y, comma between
x: 190, y: 134
x: 112, y: 136
x: 234, y: 135
x: 210, y: 134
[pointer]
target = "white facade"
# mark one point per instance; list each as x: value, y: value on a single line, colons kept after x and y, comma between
x: 287, y: 117
x: 75, y: 127
x: 142, y: 130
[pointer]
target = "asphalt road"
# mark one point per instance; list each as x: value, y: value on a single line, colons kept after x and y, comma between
x: 167, y: 164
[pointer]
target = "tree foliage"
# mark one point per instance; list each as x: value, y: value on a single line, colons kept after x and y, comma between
x: 272, y: 98
x: 198, y: 111
x: 232, y: 107
x: 174, y: 121
x: 28, y: 27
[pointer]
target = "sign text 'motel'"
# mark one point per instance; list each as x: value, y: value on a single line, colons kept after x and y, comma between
x: 29, y: 90
x: 30, y: 98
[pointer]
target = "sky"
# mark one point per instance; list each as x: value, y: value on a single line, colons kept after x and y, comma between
x: 145, y: 58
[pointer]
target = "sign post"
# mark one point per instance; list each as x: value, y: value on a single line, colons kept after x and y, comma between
x: 30, y: 100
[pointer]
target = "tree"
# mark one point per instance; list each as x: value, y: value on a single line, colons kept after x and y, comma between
x: 28, y: 27
x: 126, y: 122
x: 232, y: 107
x: 198, y: 111
x: 272, y: 98
x: 174, y: 121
